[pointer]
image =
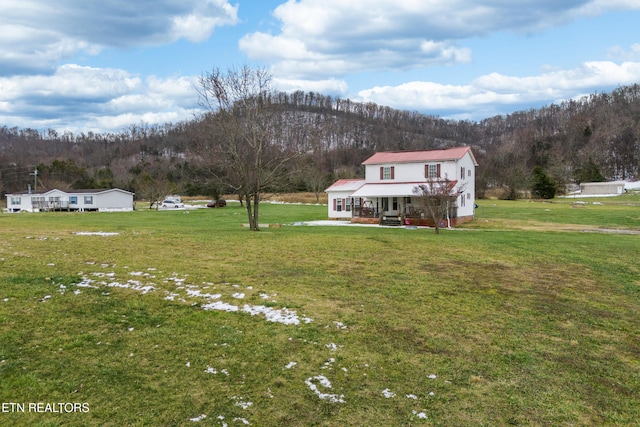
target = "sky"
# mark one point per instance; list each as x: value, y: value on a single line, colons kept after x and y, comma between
x: 104, y: 66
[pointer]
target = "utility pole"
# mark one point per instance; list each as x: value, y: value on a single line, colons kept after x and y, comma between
x: 35, y: 179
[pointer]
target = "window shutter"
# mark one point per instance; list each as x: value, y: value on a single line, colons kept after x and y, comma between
x: 393, y: 173
x: 344, y: 204
x: 426, y: 171
x: 381, y: 173
x: 438, y: 170
x: 335, y: 204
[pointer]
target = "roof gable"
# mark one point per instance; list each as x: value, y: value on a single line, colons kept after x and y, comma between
x: 386, y: 157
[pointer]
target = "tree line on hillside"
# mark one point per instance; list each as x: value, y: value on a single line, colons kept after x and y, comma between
x: 594, y: 138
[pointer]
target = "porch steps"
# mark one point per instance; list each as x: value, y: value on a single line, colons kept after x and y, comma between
x: 391, y: 221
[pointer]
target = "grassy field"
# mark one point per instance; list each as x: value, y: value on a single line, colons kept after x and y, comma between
x: 526, y: 316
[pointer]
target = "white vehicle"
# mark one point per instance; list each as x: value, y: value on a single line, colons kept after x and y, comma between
x: 176, y: 204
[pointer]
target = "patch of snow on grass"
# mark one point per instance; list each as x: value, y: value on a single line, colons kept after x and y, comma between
x: 333, y: 398
x: 388, y: 393
x: 132, y: 284
x: 278, y: 315
x: 333, y: 347
x: 220, y: 306
x: 340, y: 325
x: 198, y: 419
x: 95, y: 233
x: 86, y: 283
x: 420, y: 415
x: 328, y: 363
x: 241, y: 403
x: 283, y: 315
x: 129, y: 284
x: 171, y: 297
x: 214, y: 371
x: 197, y: 293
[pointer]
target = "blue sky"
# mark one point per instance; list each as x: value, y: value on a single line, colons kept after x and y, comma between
x: 79, y: 66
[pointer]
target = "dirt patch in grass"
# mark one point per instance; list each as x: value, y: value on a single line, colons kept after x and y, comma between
x: 546, y: 226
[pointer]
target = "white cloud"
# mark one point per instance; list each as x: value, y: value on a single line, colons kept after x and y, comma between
x: 79, y: 99
x: 327, y: 86
x: 618, y: 52
x: 207, y: 15
x: 39, y: 34
x: 596, y: 7
x: 496, y: 89
x: 351, y: 36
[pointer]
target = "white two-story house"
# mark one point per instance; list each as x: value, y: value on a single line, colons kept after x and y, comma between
x: 387, y: 194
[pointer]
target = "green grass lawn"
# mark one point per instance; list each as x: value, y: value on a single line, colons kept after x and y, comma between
x: 190, y: 319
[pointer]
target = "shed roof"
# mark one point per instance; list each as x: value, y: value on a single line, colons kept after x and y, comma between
x: 403, y: 189
x: 346, y: 185
x: 386, y: 157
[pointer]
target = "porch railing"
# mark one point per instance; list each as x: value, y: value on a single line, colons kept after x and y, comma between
x: 364, y: 212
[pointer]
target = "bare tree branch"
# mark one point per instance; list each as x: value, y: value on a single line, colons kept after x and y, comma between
x: 438, y: 196
x: 246, y: 122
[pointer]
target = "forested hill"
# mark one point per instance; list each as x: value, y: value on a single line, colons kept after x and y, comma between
x: 595, y: 137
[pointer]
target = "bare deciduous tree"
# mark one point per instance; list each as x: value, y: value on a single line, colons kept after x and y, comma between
x: 153, y: 189
x: 246, y: 121
x: 438, y: 196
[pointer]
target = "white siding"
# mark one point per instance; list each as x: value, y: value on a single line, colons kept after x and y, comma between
x: 114, y: 199
x: 337, y: 201
x: 466, y: 185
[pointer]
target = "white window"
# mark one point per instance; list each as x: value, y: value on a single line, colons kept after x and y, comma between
x: 16, y: 201
x: 38, y: 202
x: 387, y: 172
x: 462, y: 173
x: 88, y: 200
x: 73, y: 200
x: 433, y: 170
x: 339, y: 205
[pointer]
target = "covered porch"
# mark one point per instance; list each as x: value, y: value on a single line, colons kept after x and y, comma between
x: 393, y: 204
x: 387, y: 204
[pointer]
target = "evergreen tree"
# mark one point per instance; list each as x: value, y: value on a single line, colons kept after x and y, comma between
x: 542, y: 186
x: 588, y: 172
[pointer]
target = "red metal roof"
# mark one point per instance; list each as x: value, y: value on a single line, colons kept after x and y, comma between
x: 419, y: 156
x: 346, y: 185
